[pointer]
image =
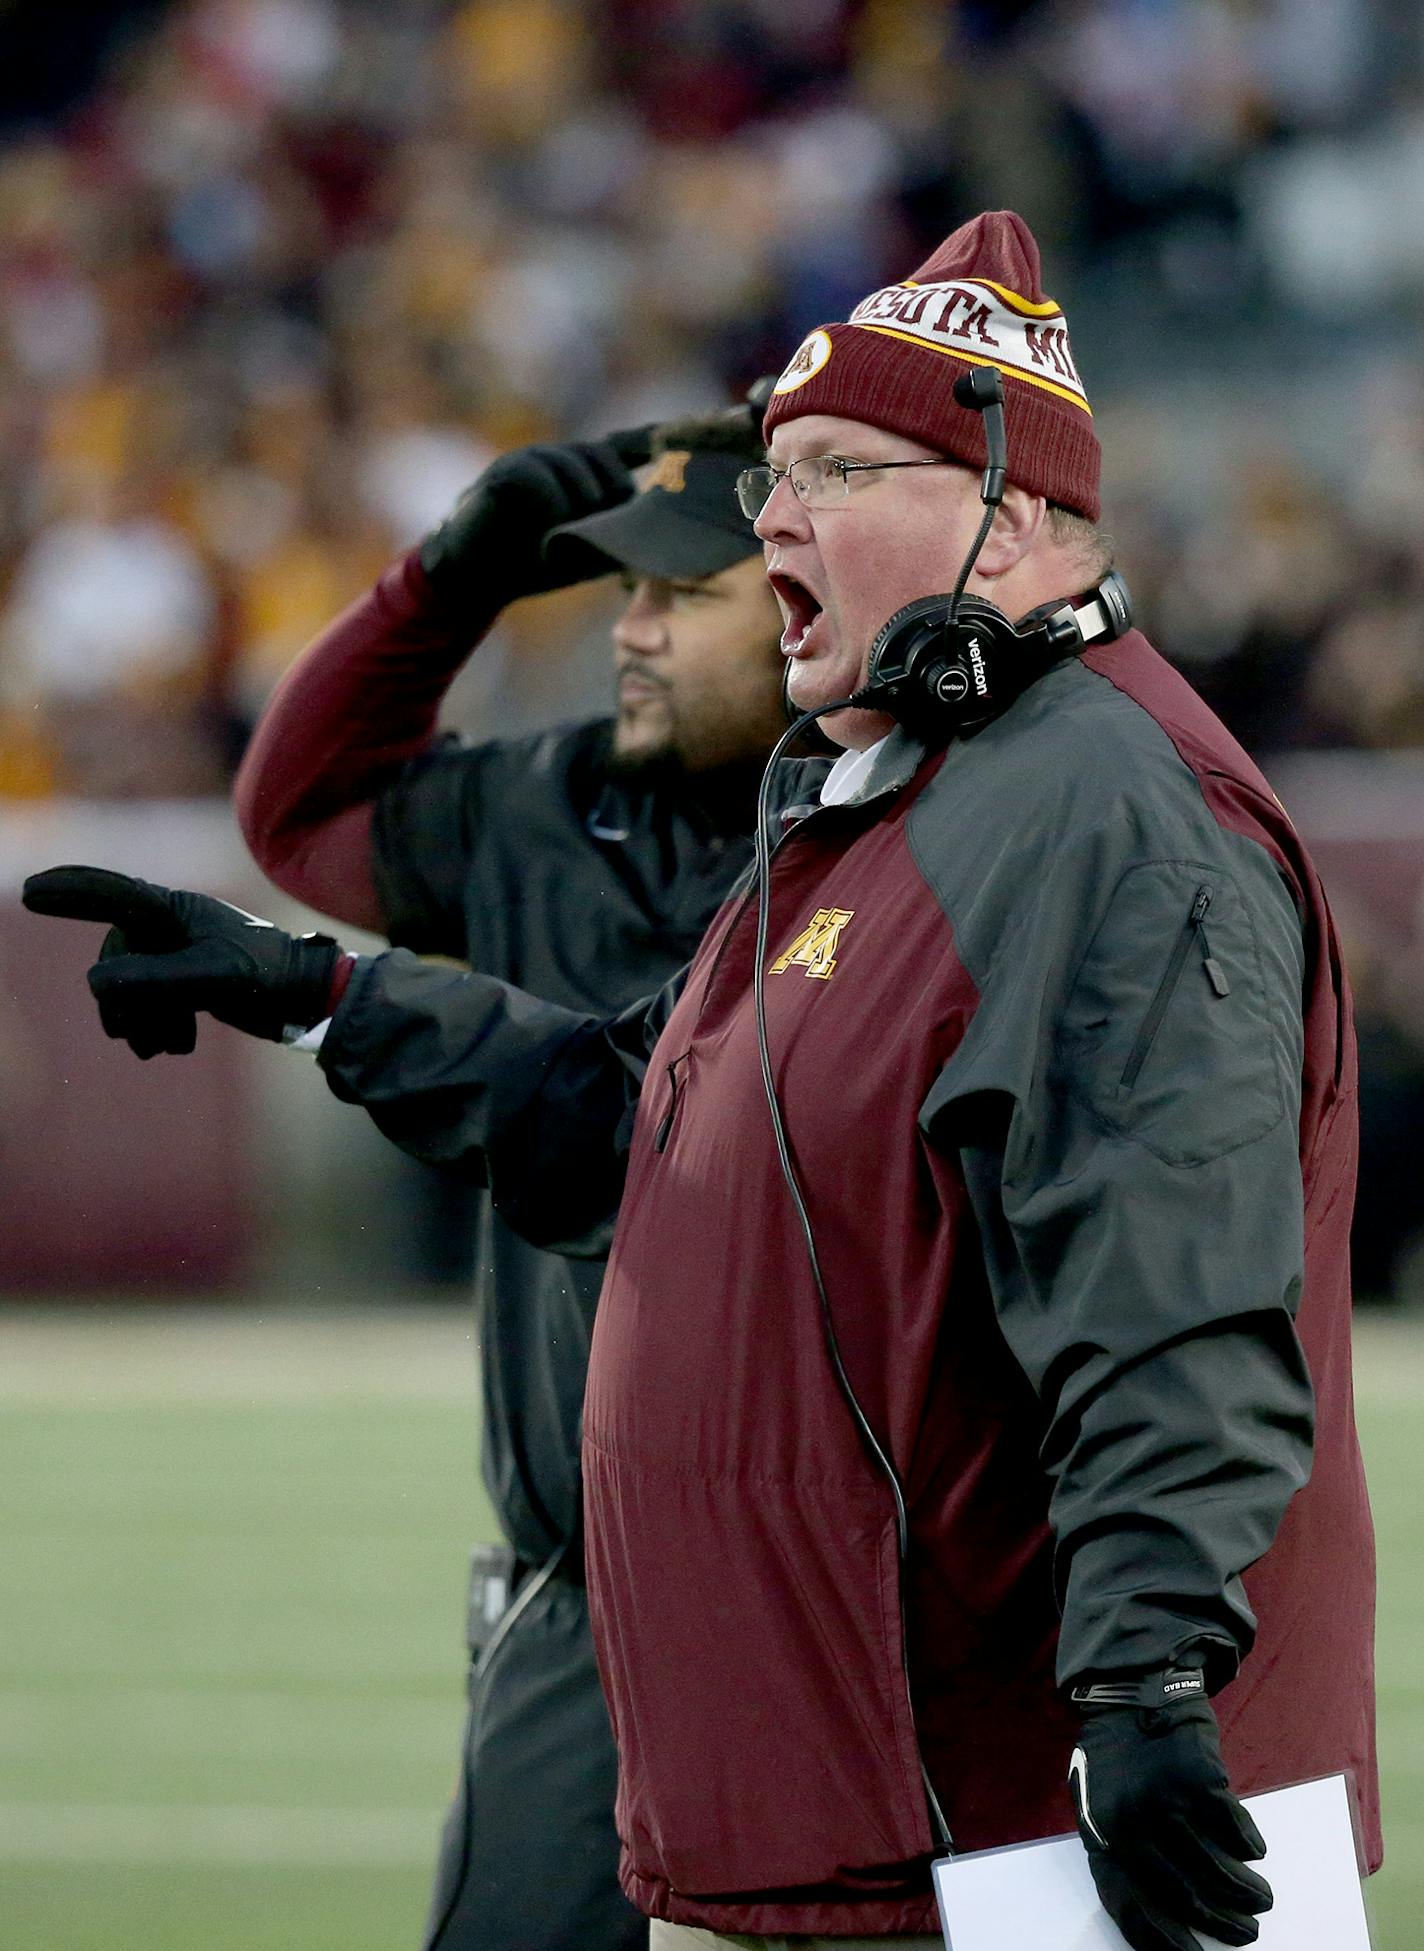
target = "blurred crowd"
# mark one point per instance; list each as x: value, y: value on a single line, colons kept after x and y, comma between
x: 280, y: 279
x: 280, y: 276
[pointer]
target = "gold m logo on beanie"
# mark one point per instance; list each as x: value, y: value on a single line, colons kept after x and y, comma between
x: 814, y: 949
x: 807, y: 360
x: 669, y: 472
x: 985, y: 324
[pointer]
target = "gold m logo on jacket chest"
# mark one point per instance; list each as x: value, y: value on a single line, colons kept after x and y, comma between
x: 814, y: 949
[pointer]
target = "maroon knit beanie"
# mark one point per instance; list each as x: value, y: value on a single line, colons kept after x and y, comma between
x: 976, y: 302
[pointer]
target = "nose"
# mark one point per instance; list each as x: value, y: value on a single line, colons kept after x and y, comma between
x: 641, y: 627
x: 783, y: 517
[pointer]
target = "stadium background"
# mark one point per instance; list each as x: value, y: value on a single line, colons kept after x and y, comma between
x: 276, y: 276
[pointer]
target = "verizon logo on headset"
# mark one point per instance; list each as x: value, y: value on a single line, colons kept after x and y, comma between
x: 976, y: 660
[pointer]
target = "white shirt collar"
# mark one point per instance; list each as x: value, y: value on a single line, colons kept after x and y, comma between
x: 849, y: 774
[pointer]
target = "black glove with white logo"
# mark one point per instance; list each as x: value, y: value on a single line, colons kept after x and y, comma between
x: 1167, y: 1841
x: 489, y: 550
x: 169, y: 954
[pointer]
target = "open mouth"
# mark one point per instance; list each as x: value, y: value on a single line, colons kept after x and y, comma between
x: 800, y: 609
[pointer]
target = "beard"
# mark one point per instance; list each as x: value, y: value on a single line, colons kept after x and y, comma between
x: 649, y: 761
x: 646, y: 742
x: 647, y: 765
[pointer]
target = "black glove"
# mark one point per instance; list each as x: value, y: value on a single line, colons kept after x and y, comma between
x: 489, y: 550
x: 1167, y: 1841
x: 169, y: 954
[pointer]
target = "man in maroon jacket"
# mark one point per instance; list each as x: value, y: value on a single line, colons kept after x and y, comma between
x: 1061, y: 1046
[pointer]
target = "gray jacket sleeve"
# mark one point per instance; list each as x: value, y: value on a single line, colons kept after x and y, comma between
x: 1125, y: 1108
x: 463, y: 1070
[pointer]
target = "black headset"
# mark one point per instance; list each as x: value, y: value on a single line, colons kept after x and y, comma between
x: 946, y: 665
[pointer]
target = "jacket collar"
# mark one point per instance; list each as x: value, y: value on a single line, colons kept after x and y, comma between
x: 893, y: 764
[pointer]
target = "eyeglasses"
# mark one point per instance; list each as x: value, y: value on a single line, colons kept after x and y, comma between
x: 819, y: 481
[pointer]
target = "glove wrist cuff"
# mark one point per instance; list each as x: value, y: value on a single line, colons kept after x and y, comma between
x: 340, y: 977
x: 463, y: 583
x: 308, y: 997
x: 1159, y: 1689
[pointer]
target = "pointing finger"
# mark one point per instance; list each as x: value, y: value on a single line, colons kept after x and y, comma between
x: 99, y: 894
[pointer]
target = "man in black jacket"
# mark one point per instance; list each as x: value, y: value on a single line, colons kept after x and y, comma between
x: 585, y: 864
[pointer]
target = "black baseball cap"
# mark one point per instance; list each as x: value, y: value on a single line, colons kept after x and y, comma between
x: 681, y: 521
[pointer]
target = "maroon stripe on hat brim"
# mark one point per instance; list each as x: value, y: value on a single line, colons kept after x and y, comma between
x: 976, y: 359
x: 909, y: 389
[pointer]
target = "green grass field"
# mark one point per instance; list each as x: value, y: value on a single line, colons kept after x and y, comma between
x: 231, y: 1572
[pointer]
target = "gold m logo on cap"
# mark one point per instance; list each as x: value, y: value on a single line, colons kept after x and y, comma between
x: 807, y: 360
x: 814, y: 949
x: 670, y: 472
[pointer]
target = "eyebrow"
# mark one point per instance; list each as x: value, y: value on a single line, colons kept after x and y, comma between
x: 817, y: 453
x: 630, y: 578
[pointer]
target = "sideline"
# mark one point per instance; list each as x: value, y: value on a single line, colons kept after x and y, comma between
x: 94, y: 1354
x: 280, y: 1350
x: 88, y: 1833
x: 1389, y: 1356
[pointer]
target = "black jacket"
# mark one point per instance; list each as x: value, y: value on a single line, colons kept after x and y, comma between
x: 529, y: 860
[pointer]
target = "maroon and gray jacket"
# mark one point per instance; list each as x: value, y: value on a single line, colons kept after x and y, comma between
x: 1063, y: 1044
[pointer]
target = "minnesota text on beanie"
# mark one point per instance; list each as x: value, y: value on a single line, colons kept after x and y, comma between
x: 976, y: 302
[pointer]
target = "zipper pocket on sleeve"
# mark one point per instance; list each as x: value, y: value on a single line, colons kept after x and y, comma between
x: 1193, y: 933
x: 665, y: 1123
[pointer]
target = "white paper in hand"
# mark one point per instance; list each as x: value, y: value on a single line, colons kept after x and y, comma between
x: 1042, y: 1894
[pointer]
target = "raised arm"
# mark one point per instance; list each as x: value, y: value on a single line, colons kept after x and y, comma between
x: 359, y: 703
x: 362, y: 701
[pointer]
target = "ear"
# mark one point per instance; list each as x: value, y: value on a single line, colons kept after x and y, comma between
x: 1018, y: 522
